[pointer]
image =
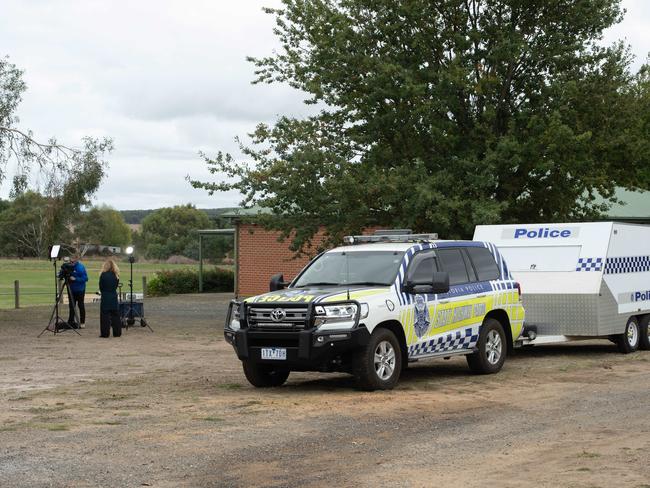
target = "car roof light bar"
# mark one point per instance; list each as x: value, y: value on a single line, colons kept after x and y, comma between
x: 390, y: 238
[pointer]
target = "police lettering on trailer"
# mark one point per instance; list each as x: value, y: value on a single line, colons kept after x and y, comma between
x: 542, y: 233
x: 641, y: 296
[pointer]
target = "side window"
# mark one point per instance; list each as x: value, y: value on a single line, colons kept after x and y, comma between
x: 486, y: 267
x: 451, y: 261
x: 422, y: 266
x: 469, y: 267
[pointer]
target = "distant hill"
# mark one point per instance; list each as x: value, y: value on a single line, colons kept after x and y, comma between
x: 136, y: 216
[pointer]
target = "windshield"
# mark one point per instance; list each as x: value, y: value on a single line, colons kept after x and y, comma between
x: 372, y: 268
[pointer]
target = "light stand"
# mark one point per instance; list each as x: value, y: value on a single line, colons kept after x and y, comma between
x: 135, y: 309
x: 130, y: 320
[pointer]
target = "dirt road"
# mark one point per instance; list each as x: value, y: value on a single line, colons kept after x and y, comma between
x: 172, y: 408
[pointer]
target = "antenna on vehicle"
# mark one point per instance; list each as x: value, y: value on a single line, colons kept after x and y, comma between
x: 347, y: 272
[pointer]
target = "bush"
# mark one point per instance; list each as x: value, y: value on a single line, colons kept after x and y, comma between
x: 187, y: 281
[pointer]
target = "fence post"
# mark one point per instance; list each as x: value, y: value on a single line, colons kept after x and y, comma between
x: 144, y: 286
x: 17, y: 293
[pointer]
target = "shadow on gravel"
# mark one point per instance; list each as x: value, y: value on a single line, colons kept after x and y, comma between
x: 441, y: 370
x: 571, y: 350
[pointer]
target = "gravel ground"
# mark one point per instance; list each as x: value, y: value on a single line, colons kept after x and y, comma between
x: 172, y: 408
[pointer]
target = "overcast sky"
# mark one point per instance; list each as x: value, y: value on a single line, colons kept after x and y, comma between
x: 165, y: 79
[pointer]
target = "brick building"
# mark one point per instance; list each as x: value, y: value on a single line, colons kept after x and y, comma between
x: 260, y: 255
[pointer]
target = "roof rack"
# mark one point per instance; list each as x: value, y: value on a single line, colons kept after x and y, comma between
x: 398, y: 235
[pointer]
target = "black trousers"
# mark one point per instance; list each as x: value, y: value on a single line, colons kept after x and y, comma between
x: 108, y: 319
x: 77, y: 299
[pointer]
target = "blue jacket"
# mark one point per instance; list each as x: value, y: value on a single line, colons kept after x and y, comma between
x: 78, y: 285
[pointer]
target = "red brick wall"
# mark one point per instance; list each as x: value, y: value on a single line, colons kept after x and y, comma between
x: 260, y: 255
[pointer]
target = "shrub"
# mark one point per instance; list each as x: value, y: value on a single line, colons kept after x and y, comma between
x: 187, y: 281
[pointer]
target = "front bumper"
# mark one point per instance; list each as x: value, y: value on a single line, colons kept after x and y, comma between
x: 307, y: 350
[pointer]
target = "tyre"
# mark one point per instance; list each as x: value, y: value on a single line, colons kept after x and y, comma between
x: 264, y: 375
x: 644, y: 340
x: 629, y: 340
x: 143, y: 323
x: 492, y: 349
x: 378, y: 365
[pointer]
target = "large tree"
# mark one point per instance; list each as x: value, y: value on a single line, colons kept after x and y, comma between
x: 102, y: 225
x: 441, y: 114
x: 28, y: 225
x: 172, y: 231
x: 63, y: 171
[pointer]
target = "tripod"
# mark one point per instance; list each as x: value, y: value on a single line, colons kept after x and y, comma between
x: 56, y: 323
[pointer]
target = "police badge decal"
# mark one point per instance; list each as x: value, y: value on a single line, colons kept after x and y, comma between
x: 422, y: 320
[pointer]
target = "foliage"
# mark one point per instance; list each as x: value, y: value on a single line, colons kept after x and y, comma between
x: 440, y: 115
x: 187, y: 281
x: 172, y: 231
x: 137, y: 216
x: 70, y: 175
x: 104, y: 226
x: 25, y: 227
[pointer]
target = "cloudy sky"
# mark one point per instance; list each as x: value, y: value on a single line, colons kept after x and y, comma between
x: 165, y: 79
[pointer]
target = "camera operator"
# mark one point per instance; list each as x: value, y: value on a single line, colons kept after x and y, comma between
x: 77, y: 276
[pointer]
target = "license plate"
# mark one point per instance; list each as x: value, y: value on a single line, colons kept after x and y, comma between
x: 277, y: 353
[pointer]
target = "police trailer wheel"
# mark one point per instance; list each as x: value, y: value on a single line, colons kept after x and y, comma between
x: 644, y: 340
x: 492, y: 349
x: 264, y: 375
x: 143, y: 323
x: 629, y: 340
x: 378, y: 365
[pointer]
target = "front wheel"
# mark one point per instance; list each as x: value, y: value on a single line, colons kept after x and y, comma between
x: 378, y: 365
x: 628, y: 341
x: 264, y: 375
x: 492, y: 348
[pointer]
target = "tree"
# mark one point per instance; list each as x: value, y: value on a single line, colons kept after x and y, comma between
x: 437, y: 115
x: 103, y: 226
x: 172, y: 231
x: 65, y: 171
x: 26, y: 228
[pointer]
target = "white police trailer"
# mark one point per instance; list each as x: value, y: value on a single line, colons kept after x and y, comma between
x: 580, y: 280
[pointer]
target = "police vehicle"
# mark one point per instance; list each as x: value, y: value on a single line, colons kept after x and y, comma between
x: 580, y: 280
x: 381, y: 301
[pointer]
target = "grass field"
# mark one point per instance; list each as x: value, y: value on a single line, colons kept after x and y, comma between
x: 37, y: 278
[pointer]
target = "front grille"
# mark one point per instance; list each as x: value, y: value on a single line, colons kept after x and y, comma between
x: 292, y: 318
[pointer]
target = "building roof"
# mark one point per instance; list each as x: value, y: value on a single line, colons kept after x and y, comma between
x: 246, y: 212
x: 636, y: 205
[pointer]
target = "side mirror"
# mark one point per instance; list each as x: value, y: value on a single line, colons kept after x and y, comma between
x: 439, y: 283
x: 277, y: 282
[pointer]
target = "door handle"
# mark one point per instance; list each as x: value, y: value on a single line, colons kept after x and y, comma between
x: 443, y: 301
x: 481, y: 296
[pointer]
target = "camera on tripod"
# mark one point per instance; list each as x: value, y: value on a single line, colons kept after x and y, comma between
x: 66, y: 270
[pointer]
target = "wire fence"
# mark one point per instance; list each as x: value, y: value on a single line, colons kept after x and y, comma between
x: 21, y: 297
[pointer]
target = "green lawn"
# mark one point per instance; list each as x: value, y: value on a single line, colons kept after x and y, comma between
x: 37, y: 278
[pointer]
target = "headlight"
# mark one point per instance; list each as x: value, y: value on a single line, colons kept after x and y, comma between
x: 234, y: 318
x: 341, y: 316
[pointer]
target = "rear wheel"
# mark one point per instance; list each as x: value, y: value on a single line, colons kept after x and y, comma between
x: 264, y: 375
x: 644, y: 343
x: 629, y: 340
x: 492, y: 349
x: 378, y: 365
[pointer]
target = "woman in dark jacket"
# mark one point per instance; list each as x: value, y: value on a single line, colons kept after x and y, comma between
x: 110, y: 316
